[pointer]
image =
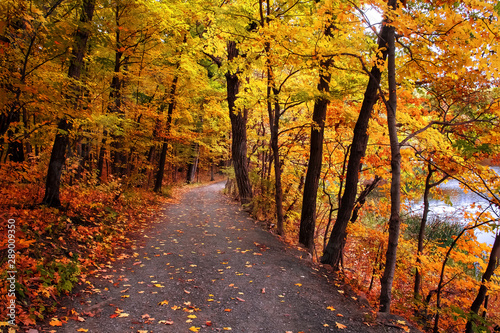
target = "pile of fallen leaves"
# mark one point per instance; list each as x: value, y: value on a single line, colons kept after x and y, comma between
x: 54, y: 247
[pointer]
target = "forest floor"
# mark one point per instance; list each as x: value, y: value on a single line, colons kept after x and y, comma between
x: 205, y: 266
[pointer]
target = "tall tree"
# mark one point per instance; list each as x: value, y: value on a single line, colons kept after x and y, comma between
x: 394, y: 220
x: 164, y: 149
x: 238, y: 129
x: 309, y: 197
x: 334, y: 249
x: 61, y: 141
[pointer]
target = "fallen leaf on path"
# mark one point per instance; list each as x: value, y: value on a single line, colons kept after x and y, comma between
x: 227, y: 328
x: 401, y: 322
x: 208, y: 323
x: 263, y: 290
x: 192, y: 316
x: 82, y: 330
x: 331, y: 308
x: 114, y: 315
x: 326, y: 325
x: 340, y: 315
x: 340, y: 326
x: 55, y: 322
x: 123, y: 315
x: 240, y: 299
x: 298, y: 284
x: 166, y: 322
x: 163, y: 303
x: 227, y: 310
x: 194, y: 329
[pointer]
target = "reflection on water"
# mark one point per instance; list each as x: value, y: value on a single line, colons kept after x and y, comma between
x: 460, y: 202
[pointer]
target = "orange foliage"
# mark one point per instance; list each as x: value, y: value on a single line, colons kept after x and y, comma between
x: 54, y: 247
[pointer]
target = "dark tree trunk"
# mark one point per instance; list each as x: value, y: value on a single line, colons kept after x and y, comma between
x: 58, y: 155
x: 102, y: 155
x: 164, y: 148
x: 481, y: 295
x: 57, y: 160
x: 274, y: 113
x: 238, y: 131
x: 362, y: 198
x: 394, y: 220
x: 84, y: 153
x: 278, y: 194
x: 421, y: 232
x: 118, y: 158
x: 308, y: 215
x: 333, y: 252
x: 193, y: 164
x: 15, y: 149
x: 161, y: 167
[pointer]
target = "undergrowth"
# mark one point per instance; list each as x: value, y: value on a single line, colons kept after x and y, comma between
x: 56, y: 247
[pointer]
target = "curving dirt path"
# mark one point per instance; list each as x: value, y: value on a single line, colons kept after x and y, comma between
x: 205, y: 266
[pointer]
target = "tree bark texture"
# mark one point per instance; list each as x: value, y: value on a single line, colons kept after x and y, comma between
x: 61, y: 142
x: 164, y: 148
x: 333, y: 252
x: 421, y: 232
x: 278, y: 193
x: 193, y: 163
x: 308, y: 214
x: 394, y: 220
x: 238, y: 131
x: 488, y: 273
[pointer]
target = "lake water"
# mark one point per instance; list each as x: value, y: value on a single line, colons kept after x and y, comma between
x: 460, y: 202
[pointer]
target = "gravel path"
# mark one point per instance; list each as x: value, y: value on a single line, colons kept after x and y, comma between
x: 206, y: 266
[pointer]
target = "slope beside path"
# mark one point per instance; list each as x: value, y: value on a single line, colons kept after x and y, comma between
x: 206, y: 266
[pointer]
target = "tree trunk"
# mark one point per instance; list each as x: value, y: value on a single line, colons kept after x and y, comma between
x: 118, y: 158
x: 164, y: 148
x: 421, y: 232
x: 193, y: 164
x: 362, y: 198
x: 238, y: 131
x: 102, y: 155
x: 481, y: 295
x: 394, y: 220
x: 274, y: 118
x: 278, y: 193
x: 308, y: 215
x: 333, y: 252
x: 58, y: 155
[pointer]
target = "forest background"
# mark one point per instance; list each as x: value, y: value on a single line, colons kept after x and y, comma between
x: 329, y: 126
